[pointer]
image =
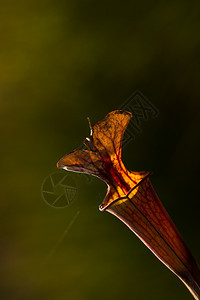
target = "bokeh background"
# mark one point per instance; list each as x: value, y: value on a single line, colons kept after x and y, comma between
x: 61, y: 61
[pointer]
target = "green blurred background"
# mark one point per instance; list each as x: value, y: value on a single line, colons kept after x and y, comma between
x: 61, y: 61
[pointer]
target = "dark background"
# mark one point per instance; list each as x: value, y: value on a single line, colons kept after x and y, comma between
x: 61, y: 61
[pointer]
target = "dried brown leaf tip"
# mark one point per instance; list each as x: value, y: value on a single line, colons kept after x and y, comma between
x: 131, y: 197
